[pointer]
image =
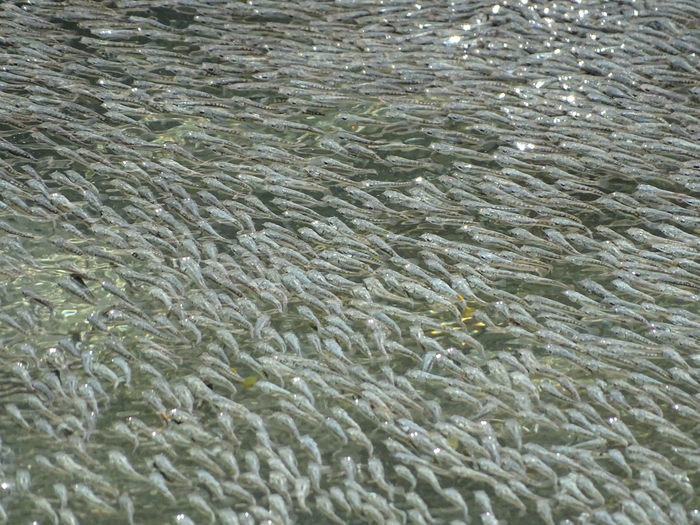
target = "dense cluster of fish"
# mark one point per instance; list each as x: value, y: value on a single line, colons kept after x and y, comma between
x: 350, y: 262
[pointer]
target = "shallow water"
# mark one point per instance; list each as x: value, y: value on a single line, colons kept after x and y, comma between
x: 477, y: 219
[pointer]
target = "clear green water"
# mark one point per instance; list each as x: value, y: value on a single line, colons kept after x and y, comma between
x: 188, y: 187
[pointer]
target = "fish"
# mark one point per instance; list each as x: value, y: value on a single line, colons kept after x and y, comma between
x: 120, y: 462
x: 329, y: 240
x: 84, y: 492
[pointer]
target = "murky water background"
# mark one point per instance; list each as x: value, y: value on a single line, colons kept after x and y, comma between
x: 349, y: 262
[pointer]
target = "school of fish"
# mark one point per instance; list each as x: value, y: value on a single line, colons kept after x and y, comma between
x: 350, y: 262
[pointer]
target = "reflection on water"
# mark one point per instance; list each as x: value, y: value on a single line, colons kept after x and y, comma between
x: 349, y: 262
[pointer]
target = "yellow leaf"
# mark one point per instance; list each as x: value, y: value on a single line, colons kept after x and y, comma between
x: 249, y: 381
